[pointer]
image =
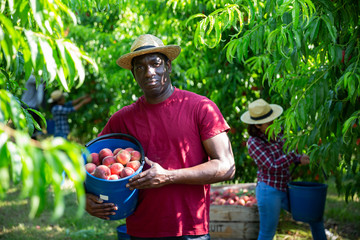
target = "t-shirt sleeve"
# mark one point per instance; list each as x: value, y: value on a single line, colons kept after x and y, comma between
x: 211, y: 121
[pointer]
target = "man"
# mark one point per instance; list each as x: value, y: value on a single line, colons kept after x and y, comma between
x: 185, y: 140
x: 61, y: 109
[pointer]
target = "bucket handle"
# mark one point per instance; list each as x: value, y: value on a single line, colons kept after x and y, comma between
x: 111, y: 135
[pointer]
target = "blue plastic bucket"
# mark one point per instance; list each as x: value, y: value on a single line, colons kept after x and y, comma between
x: 114, y: 191
x: 121, y: 232
x: 307, y: 201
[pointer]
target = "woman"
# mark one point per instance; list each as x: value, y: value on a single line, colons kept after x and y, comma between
x: 273, y: 164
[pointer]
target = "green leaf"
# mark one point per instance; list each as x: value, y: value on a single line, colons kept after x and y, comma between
x: 294, y: 59
x: 330, y: 26
x: 296, y: 14
x: 315, y: 29
x: 271, y: 38
x: 41, y: 117
x: 33, y: 44
x: 16, y: 164
x: 47, y: 51
x: 252, y: 13
x: 231, y: 48
x: 211, y: 24
x: 76, y: 57
x: 217, y: 33
x: 297, y: 38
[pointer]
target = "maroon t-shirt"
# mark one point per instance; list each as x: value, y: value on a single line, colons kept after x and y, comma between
x: 171, y: 134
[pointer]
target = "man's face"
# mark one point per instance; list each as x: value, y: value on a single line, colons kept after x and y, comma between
x: 152, y: 74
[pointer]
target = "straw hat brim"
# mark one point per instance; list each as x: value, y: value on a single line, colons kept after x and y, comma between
x: 277, y: 111
x: 171, y: 51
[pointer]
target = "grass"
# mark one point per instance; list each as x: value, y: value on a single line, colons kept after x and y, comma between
x: 16, y: 225
x: 342, y: 220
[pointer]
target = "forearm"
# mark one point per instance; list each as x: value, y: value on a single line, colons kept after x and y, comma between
x: 79, y: 105
x: 78, y: 100
x: 221, y: 167
x: 206, y: 173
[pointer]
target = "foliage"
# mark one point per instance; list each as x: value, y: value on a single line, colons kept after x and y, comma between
x: 31, y: 40
x: 306, y: 54
x: 301, y: 54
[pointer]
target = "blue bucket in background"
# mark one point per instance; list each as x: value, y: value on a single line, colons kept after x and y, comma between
x: 307, y: 201
x: 114, y: 191
x: 121, y: 232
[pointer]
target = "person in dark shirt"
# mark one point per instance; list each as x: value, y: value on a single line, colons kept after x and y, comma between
x: 61, y: 109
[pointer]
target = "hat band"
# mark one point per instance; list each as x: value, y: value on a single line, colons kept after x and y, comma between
x: 263, y: 116
x: 144, y: 47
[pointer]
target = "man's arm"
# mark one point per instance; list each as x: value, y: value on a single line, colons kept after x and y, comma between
x: 84, y: 100
x: 221, y: 167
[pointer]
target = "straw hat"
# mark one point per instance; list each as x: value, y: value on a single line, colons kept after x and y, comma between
x: 145, y: 44
x: 55, y: 96
x: 261, y: 112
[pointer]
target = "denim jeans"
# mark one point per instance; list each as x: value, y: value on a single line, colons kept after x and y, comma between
x: 270, y: 202
x: 188, y: 237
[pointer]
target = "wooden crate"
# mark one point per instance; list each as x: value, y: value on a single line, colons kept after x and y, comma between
x: 234, y: 221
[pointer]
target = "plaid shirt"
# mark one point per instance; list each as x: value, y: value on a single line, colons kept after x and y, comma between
x: 273, y: 163
x: 60, y: 116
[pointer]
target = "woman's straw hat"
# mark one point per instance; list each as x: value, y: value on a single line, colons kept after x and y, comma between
x: 145, y: 44
x: 261, y: 112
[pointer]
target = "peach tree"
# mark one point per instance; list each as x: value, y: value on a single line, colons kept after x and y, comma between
x: 32, y: 40
x: 305, y: 54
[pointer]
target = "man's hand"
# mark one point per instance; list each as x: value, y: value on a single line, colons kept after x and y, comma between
x: 154, y: 177
x: 304, y: 160
x: 96, y: 207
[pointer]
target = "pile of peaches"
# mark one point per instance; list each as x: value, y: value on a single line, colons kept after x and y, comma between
x: 113, y: 165
x: 231, y: 196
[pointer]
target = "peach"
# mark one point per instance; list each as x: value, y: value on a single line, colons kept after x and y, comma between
x: 90, y: 167
x: 102, y: 171
x: 129, y: 149
x: 127, y: 171
x: 134, y: 165
x: 123, y: 157
x: 107, y: 161
x: 241, y: 202
x: 230, y: 201
x: 113, y: 177
x: 249, y: 204
x: 93, y: 158
x: 116, y: 151
x: 116, y: 168
x: 105, y: 152
x: 135, y: 155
